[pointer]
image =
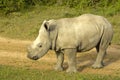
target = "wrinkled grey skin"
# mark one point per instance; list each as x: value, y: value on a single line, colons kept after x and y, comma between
x: 71, y: 35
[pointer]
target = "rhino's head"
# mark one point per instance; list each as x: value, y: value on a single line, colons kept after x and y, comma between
x: 41, y: 44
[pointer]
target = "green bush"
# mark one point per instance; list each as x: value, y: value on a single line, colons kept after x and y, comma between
x: 107, y: 7
x: 102, y: 7
x: 11, y: 5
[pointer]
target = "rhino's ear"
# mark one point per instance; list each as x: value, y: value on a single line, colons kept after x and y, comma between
x: 50, y: 25
x: 46, y: 25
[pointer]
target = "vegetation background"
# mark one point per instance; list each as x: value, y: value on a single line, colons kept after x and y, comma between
x: 105, y: 7
x: 21, y: 19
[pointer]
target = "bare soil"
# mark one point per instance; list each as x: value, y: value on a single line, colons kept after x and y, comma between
x: 13, y: 53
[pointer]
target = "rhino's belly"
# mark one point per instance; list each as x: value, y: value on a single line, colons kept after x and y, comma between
x: 85, y: 48
x: 88, y: 44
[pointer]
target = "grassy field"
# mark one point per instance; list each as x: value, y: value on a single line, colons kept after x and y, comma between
x: 25, y: 25
x: 13, y: 73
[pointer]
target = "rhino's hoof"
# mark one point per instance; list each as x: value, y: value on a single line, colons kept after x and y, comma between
x: 69, y: 70
x: 58, y: 68
x: 97, y: 66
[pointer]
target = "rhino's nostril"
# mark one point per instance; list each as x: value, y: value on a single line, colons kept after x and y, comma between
x: 35, y: 58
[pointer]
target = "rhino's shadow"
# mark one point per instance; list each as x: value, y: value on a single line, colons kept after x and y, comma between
x: 88, y: 59
x: 85, y: 60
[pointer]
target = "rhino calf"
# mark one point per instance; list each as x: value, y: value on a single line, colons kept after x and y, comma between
x: 71, y: 35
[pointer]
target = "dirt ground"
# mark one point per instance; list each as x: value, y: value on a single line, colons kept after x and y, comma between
x: 13, y: 53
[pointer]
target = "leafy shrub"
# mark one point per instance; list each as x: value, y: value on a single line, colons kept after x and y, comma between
x: 106, y: 7
x: 11, y: 5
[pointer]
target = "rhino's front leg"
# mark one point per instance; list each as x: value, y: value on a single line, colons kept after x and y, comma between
x: 71, y: 53
x: 60, y: 60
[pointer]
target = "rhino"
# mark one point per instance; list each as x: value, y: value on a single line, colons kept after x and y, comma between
x: 72, y: 35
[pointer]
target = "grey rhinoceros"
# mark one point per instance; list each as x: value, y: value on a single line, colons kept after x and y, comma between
x: 72, y: 35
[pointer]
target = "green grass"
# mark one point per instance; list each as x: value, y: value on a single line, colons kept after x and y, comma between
x: 115, y: 21
x: 15, y: 73
x: 25, y: 24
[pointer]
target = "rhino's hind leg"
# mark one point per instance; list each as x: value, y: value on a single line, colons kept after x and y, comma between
x: 71, y: 53
x: 101, y: 50
x: 102, y: 47
x: 99, y: 60
x: 60, y: 60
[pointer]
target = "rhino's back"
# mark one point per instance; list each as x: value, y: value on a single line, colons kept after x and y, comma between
x: 84, y: 31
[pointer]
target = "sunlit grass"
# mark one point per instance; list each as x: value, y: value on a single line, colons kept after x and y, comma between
x: 15, y: 73
x: 25, y: 25
x: 115, y: 21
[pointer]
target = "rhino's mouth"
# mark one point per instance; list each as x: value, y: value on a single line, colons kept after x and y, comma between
x: 35, y: 54
x: 32, y: 57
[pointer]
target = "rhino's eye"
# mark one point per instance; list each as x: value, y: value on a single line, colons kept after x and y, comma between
x: 39, y: 45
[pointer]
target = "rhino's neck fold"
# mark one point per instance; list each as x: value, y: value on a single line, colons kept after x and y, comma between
x: 53, y: 37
